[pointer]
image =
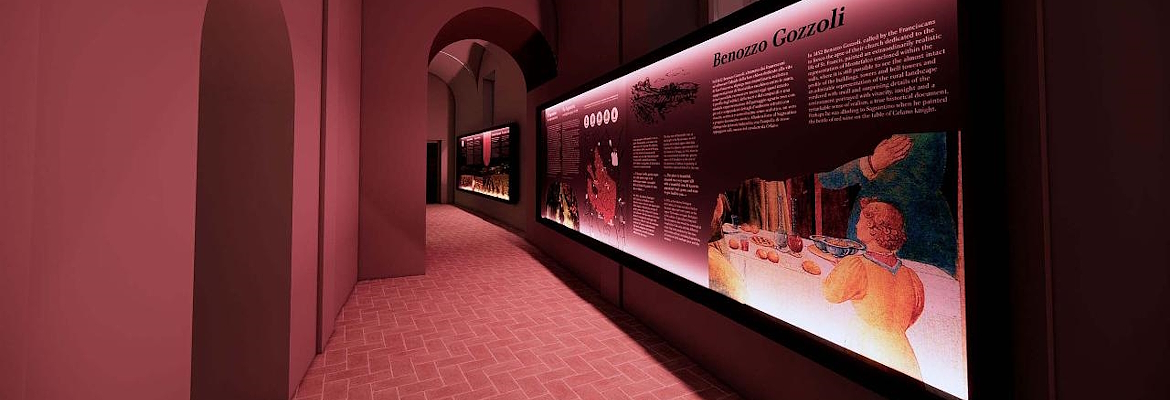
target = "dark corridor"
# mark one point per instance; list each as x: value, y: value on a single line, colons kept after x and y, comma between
x: 433, y: 172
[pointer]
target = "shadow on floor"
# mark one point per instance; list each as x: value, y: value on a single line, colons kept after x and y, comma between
x: 679, y: 365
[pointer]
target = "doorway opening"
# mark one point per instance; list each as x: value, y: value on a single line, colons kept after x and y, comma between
x: 243, y: 204
x: 434, y: 173
x: 482, y: 64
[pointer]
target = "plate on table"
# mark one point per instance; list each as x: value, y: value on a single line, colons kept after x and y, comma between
x: 836, y: 247
x: 763, y: 241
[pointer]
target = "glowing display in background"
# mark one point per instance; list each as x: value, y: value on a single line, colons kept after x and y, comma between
x: 486, y: 163
x: 806, y: 164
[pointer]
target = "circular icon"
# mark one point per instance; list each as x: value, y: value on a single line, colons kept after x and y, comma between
x: 592, y: 120
x: 613, y: 114
x: 585, y: 121
x: 605, y: 115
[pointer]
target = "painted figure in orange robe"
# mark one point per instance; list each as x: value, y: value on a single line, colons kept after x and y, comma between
x: 887, y: 296
x: 721, y: 275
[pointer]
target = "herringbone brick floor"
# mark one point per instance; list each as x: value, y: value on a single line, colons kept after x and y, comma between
x: 494, y: 318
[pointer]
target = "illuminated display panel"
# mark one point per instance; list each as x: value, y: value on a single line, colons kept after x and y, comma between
x: 806, y: 164
x: 486, y: 163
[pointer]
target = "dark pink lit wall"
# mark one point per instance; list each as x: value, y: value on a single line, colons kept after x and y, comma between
x: 1108, y: 141
x: 19, y: 25
x: 244, y: 218
x: 342, y: 127
x: 109, y: 279
x: 648, y: 25
x: 337, y: 237
x: 396, y: 40
x: 99, y: 147
x: 304, y: 18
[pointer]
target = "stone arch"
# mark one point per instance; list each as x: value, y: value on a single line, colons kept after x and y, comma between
x: 508, y: 30
x: 243, y: 203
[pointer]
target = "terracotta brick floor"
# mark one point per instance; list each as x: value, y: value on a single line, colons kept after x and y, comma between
x: 494, y: 318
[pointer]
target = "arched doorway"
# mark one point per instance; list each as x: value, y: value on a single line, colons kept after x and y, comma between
x: 511, y: 32
x: 482, y: 64
x: 243, y: 206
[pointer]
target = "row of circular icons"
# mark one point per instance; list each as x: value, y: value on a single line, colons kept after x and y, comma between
x: 601, y: 118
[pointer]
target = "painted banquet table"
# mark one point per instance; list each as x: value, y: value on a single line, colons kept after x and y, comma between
x: 785, y: 290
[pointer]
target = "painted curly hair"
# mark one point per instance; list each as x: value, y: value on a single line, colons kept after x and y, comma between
x: 885, y: 223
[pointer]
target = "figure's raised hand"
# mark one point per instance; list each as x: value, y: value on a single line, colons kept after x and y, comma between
x: 890, y: 151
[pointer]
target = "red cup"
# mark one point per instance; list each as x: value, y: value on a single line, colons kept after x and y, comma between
x: 795, y: 243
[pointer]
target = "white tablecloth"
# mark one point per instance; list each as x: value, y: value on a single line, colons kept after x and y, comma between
x: 784, y: 290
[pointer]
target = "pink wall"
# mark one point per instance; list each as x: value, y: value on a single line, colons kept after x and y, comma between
x: 244, y: 218
x: 393, y: 163
x: 648, y: 25
x: 343, y: 99
x: 99, y: 206
x: 113, y: 172
x: 19, y: 25
x: 304, y: 26
x: 268, y: 287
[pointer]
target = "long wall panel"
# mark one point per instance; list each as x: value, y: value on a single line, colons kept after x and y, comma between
x: 836, y: 128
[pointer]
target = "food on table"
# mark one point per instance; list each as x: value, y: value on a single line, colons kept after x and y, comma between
x: 734, y: 243
x: 773, y: 256
x: 763, y: 255
x: 795, y: 243
x: 723, y: 277
x: 837, y: 241
x: 811, y: 267
x: 763, y: 241
x: 835, y: 248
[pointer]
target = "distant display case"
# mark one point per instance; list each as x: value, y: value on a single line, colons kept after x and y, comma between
x: 487, y: 163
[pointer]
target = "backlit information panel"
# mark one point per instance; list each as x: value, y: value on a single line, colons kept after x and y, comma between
x: 486, y: 163
x: 806, y: 164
